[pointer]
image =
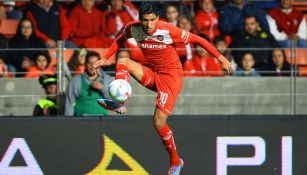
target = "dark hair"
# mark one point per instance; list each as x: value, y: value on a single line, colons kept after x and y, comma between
x: 185, y: 17
x: 250, y: 16
x: 73, y: 62
x: 46, y: 55
x: 91, y: 54
x: 148, y: 8
x: 204, y: 37
x: 245, y: 53
x: 18, y: 34
x: 52, y: 80
x: 171, y: 5
x: 283, y: 54
x: 219, y: 38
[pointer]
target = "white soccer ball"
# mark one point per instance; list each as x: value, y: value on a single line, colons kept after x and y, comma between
x: 120, y: 90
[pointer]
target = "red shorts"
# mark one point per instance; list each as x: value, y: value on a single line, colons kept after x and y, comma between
x: 167, y: 83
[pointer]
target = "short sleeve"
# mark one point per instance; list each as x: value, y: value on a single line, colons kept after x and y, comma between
x: 178, y: 35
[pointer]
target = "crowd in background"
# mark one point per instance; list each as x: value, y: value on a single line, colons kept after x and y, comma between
x: 246, y: 26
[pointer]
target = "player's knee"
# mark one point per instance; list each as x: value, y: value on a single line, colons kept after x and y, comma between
x: 159, y: 122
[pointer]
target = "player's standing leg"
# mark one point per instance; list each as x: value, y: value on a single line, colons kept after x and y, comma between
x: 167, y: 137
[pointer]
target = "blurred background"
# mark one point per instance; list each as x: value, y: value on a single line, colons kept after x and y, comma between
x: 47, y: 48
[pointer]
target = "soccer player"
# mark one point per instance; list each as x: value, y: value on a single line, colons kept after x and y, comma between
x: 163, y: 73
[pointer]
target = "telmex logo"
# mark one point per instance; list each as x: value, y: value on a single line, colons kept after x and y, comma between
x: 153, y: 46
x: 32, y: 167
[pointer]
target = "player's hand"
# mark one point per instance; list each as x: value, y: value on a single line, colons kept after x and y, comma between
x: 227, y: 66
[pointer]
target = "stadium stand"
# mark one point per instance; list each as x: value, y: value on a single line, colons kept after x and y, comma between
x: 8, y: 27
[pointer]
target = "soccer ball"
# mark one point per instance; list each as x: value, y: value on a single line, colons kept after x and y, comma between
x: 120, y: 90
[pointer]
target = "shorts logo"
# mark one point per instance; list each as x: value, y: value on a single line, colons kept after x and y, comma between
x: 163, y: 98
x: 160, y: 37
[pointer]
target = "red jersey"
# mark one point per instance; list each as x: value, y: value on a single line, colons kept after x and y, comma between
x: 158, y: 47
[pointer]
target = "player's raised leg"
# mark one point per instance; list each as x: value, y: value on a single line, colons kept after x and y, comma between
x: 124, y: 67
x: 167, y: 137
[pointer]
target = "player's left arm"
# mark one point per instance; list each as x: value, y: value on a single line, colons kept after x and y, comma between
x: 185, y: 37
x: 192, y: 38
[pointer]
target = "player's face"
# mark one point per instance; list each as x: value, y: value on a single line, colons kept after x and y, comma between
x: 149, y: 22
x: 278, y: 57
x: 248, y: 62
x: 251, y: 25
x: 89, y: 65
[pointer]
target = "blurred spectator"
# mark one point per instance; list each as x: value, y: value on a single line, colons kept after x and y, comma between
x: 185, y: 52
x: 40, y: 67
x: 3, y: 46
x: 231, y: 20
x: 6, y: 71
x: 254, y: 37
x: 280, y: 66
x: 206, y: 19
x: 47, y: 106
x: 26, y: 39
x: 221, y: 45
x: 83, y: 92
x: 77, y: 61
x: 247, y: 69
x: 50, y: 21
x: 202, y: 63
x: 288, y: 24
x: 86, y: 23
x: 171, y: 14
x: 111, y: 69
x: 118, y: 16
x: 8, y: 10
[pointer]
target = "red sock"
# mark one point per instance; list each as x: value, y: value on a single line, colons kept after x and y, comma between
x: 122, y: 72
x: 167, y: 138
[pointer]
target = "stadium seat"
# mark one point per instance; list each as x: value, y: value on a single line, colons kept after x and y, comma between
x: 69, y: 52
x: 301, y: 5
x: 102, y: 52
x: 302, y: 71
x: 301, y: 57
x: 301, y: 60
x: 8, y: 27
